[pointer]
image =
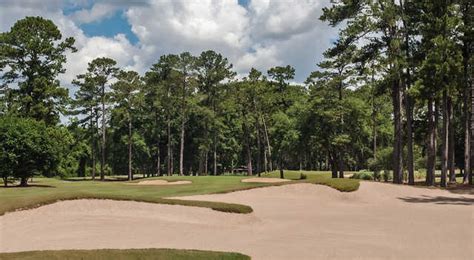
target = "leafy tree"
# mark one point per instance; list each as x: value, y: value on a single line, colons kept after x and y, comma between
x: 281, y: 76
x: 187, y: 69
x: 101, y: 71
x: 32, y: 54
x: 29, y: 148
x: 87, y: 104
x: 212, y: 69
x: 127, y: 94
x: 165, y: 80
x: 381, y: 17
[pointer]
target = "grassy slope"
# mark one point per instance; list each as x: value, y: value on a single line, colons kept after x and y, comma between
x: 51, y: 190
x: 163, y: 254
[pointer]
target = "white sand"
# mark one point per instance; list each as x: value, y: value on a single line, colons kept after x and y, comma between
x: 161, y: 182
x: 264, y: 180
x: 296, y: 221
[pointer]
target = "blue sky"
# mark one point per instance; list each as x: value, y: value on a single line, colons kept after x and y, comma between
x: 110, y: 26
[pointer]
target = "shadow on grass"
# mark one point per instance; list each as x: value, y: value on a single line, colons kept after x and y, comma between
x: 28, y: 186
x: 114, y: 179
x: 440, y: 200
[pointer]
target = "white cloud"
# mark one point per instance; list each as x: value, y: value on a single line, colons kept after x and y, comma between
x: 96, y: 13
x: 267, y: 33
x: 259, y: 36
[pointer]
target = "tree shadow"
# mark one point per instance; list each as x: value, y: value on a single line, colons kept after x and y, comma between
x: 107, y: 179
x: 461, y: 189
x: 28, y: 186
x: 440, y: 200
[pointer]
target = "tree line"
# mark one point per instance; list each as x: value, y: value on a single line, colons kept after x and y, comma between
x: 397, y: 76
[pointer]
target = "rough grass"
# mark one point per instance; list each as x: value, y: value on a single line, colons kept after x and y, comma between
x: 46, y: 190
x: 122, y: 254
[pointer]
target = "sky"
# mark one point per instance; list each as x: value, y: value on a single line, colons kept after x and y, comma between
x: 250, y: 33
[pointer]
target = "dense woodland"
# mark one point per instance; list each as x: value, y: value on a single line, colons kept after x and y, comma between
x: 392, y: 95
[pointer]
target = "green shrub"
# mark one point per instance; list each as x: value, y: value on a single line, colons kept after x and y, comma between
x: 387, y: 175
x: 363, y: 175
x: 303, y: 176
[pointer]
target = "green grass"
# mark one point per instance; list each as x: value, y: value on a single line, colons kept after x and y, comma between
x: 319, y: 177
x: 46, y: 190
x: 122, y: 254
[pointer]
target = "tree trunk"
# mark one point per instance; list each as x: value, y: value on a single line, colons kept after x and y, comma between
x: 249, y: 160
x: 206, y: 159
x: 265, y: 160
x: 282, y: 176
x: 451, y: 148
x: 332, y: 161
x: 92, y: 148
x: 341, y: 164
x: 130, y: 175
x: 431, y: 160
x: 102, y: 162
x: 183, y: 123
x: 248, y: 146
x: 409, y: 128
x: 215, y: 156
x: 168, y: 156
x: 172, y: 160
x: 23, y: 182
x: 408, y: 99
x: 259, y: 148
x: 468, y: 131
x: 374, y: 127
x: 201, y: 163
x: 5, y: 181
x: 158, y: 158
x: 181, y: 151
x: 268, y: 144
x: 445, y: 140
x: 398, y: 135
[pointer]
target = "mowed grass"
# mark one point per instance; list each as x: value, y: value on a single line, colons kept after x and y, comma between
x: 121, y: 254
x: 47, y: 190
x: 319, y: 177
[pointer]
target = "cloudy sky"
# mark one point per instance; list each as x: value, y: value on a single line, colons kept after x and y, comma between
x: 250, y: 33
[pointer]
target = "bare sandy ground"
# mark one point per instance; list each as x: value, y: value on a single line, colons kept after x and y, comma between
x: 296, y: 221
x: 264, y: 180
x: 161, y: 182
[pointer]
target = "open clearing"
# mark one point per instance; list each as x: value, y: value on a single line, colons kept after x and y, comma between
x: 295, y: 221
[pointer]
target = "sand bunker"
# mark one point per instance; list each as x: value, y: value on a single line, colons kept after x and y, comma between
x: 299, y: 221
x: 264, y: 180
x: 162, y: 182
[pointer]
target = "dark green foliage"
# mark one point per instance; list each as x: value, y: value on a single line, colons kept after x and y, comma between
x: 363, y: 175
x: 33, y: 55
x: 29, y: 148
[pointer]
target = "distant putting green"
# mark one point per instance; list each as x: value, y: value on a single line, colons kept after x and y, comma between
x: 46, y: 190
x: 122, y: 254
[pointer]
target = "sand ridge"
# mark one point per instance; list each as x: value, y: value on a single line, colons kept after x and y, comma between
x: 299, y: 221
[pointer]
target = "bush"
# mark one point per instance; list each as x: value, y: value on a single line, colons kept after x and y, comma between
x: 363, y: 175
x: 303, y: 176
x: 387, y: 175
x: 29, y: 147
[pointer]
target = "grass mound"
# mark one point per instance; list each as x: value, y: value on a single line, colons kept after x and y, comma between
x: 316, y: 177
x: 46, y: 190
x: 124, y: 254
